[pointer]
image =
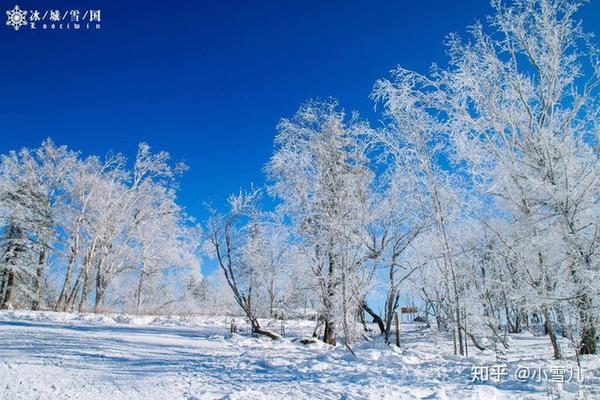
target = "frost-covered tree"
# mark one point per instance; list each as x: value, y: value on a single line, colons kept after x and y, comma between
x: 14, y: 263
x: 416, y: 144
x: 228, y: 236
x: 147, y: 193
x: 267, y: 253
x: 528, y: 134
x: 90, y: 201
x: 519, y: 105
x: 31, y: 189
x: 90, y: 220
x: 321, y: 176
x: 397, y: 221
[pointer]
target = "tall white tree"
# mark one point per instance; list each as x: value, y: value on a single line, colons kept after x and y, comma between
x: 519, y: 104
x: 321, y: 175
x: 31, y: 189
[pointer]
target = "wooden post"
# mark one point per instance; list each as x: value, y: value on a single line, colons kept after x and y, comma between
x: 397, y: 331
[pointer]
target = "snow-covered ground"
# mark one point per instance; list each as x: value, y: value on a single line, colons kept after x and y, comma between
x: 85, y: 356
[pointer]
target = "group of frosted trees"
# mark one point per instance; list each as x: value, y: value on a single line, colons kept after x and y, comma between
x: 76, y: 227
x: 478, y: 197
x: 479, y: 194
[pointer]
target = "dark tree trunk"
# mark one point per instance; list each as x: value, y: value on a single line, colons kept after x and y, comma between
x: 258, y: 330
x: 39, y: 278
x: 70, y: 302
x: 588, y: 329
x: 511, y: 326
x: 439, y: 323
x: 363, y: 320
x: 3, y: 283
x: 397, y: 330
x: 15, y: 238
x: 376, y: 318
x: 8, y: 291
x: 62, y: 297
x: 390, y: 312
x: 99, y: 301
x: 459, y: 332
x: 475, y: 342
x: 549, y: 328
x: 85, y: 291
x: 518, y: 322
x: 329, y: 336
x: 87, y: 276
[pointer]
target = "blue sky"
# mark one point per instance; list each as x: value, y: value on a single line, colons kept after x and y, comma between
x: 208, y: 81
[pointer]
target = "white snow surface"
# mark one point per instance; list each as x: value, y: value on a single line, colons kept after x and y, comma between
x: 46, y: 355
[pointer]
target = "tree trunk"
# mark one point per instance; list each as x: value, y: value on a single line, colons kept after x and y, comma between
x: 454, y: 340
x: 439, y: 323
x: 390, y: 312
x: 271, y: 298
x: 62, y: 297
x: 474, y: 341
x: 8, y: 291
x: 363, y: 320
x: 518, y: 321
x: 70, y: 302
x: 98, y: 302
x: 85, y: 291
x: 459, y: 332
x: 4, y: 285
x: 397, y: 331
x: 37, y: 284
x: 560, y: 317
x: 317, y: 330
x: 329, y: 336
x: 549, y: 327
x: 138, y: 295
x: 244, y: 302
x: 511, y: 327
x: 588, y: 329
x: 258, y: 330
x: 464, y: 318
x: 87, y: 276
x: 376, y: 318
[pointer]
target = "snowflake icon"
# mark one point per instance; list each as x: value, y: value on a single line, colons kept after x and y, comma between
x: 16, y: 18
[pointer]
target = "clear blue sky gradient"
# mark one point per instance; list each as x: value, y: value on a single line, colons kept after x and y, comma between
x: 208, y: 81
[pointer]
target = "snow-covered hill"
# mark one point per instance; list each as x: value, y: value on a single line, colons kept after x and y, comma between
x: 92, y: 356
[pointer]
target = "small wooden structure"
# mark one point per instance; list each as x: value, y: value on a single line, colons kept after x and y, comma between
x: 411, y: 311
